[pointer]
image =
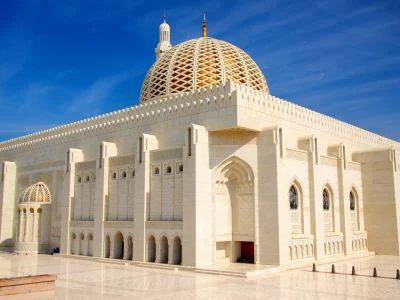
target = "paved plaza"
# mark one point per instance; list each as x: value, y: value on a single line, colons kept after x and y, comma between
x: 84, y: 279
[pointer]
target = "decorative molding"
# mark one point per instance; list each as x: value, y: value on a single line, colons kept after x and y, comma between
x: 297, y: 155
x: 159, y: 155
x: 85, y: 166
x: 77, y: 224
x: 45, y: 165
x: 118, y: 224
x: 328, y: 161
x: 164, y: 225
x: 233, y: 137
x: 117, y: 161
x: 354, y: 166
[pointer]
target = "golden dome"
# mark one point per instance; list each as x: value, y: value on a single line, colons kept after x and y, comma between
x: 37, y: 192
x: 198, y: 63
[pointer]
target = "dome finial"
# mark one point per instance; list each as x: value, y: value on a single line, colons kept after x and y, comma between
x: 204, y: 25
x: 165, y: 18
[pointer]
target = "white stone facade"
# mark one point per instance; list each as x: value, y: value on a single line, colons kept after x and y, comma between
x: 222, y: 173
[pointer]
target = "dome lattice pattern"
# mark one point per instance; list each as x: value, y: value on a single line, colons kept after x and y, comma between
x: 198, y: 63
x: 37, y: 192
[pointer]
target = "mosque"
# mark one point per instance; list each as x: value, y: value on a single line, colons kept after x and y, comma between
x: 208, y: 168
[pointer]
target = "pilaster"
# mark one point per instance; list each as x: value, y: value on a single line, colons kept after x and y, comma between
x: 381, y: 199
x: 274, y: 228
x: 338, y: 151
x: 145, y: 144
x: 197, y: 243
x: 310, y: 145
x: 106, y: 150
x: 7, y: 202
x: 72, y: 157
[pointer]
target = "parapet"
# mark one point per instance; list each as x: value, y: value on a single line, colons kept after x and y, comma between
x: 188, y: 103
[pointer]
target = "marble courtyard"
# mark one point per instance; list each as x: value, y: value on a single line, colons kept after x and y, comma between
x: 83, y: 279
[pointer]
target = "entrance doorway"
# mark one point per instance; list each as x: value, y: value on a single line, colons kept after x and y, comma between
x: 247, y: 252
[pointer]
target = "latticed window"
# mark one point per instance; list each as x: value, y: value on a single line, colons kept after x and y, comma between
x: 325, y: 199
x: 293, y: 200
x: 352, y: 201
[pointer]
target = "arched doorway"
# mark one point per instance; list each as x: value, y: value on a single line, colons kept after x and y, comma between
x: 234, y: 211
x: 164, y: 250
x: 89, y: 250
x: 72, y: 243
x: 81, y: 244
x: 129, y: 245
x: 118, y: 245
x: 107, y: 247
x: 151, y: 249
x: 177, y: 251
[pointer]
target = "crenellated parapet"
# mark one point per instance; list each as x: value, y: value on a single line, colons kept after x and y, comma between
x: 282, y: 109
x: 202, y: 101
x: 157, y: 110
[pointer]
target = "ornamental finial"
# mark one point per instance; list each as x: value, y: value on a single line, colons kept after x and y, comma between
x: 204, y: 25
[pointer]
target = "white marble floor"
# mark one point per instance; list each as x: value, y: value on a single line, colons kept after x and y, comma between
x: 81, y: 279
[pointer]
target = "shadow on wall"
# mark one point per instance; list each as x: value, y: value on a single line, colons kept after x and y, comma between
x: 7, y: 243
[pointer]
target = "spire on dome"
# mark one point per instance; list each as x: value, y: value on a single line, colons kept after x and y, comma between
x: 204, y: 25
x: 164, y: 42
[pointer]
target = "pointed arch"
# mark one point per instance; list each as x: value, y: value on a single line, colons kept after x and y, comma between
x: 237, y: 165
x: 354, y: 207
x: 72, y: 243
x: 89, y: 250
x: 295, y: 205
x: 118, y: 242
x: 235, y: 208
x: 151, y: 248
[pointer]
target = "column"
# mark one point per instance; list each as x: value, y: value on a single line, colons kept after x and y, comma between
x: 158, y: 251
x: 28, y: 229
x: 111, y: 248
x: 125, y: 249
x: 21, y: 226
x: 170, y: 252
x: 35, y: 226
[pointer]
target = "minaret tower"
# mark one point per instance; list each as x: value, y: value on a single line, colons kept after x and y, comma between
x: 164, y: 44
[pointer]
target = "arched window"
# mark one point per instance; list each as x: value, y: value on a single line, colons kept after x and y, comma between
x: 352, y: 201
x: 87, y: 178
x: 123, y: 174
x: 180, y: 168
x: 133, y: 173
x: 168, y: 170
x: 156, y: 171
x: 325, y: 199
x: 79, y: 179
x: 114, y: 175
x: 293, y: 200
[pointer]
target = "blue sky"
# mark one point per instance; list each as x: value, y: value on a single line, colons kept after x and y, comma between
x: 66, y: 60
